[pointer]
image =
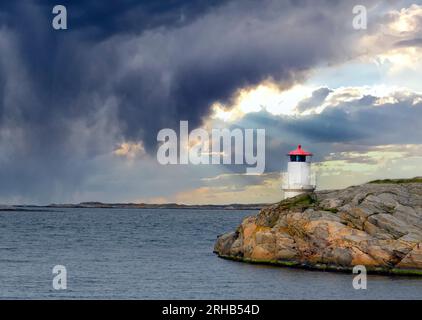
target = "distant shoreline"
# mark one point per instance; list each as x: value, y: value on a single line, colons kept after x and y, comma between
x: 100, y: 205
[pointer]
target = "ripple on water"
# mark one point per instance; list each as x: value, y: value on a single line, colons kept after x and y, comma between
x: 156, y: 254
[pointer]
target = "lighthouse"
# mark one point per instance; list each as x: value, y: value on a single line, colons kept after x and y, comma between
x: 298, y: 179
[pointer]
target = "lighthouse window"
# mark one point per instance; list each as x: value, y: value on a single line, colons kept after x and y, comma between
x: 298, y: 158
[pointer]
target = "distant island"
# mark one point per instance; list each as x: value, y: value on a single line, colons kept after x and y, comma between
x: 159, y: 206
x: 94, y: 204
x: 378, y: 225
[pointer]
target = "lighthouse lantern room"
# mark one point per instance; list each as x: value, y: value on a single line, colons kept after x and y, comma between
x: 298, y: 179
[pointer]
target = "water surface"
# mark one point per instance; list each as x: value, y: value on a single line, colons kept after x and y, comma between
x: 156, y: 254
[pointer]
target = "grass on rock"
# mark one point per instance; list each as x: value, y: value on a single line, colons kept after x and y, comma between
x: 398, y: 181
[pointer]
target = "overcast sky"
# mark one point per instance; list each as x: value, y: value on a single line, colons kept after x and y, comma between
x: 80, y: 108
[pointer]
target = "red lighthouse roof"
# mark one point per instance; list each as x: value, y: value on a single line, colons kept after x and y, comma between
x: 299, y: 152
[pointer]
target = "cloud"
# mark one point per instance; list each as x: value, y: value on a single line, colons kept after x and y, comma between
x: 341, y: 169
x: 410, y: 43
x: 124, y: 71
x: 130, y: 149
x: 317, y: 98
x: 394, y: 40
x: 351, y: 117
x: 163, y: 72
x: 264, y: 189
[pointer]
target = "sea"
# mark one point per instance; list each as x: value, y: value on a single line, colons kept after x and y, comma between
x: 155, y: 254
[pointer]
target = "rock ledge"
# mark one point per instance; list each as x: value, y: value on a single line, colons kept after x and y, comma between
x: 378, y: 225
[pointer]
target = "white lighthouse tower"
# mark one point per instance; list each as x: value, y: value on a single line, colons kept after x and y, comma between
x: 298, y: 179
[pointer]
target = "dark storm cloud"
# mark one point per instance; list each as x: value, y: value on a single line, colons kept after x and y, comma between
x: 126, y: 69
x: 161, y: 75
x: 104, y: 18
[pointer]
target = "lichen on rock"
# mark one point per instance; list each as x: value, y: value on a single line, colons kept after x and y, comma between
x: 378, y: 225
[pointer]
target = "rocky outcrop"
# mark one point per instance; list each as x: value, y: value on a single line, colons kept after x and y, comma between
x: 378, y: 225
